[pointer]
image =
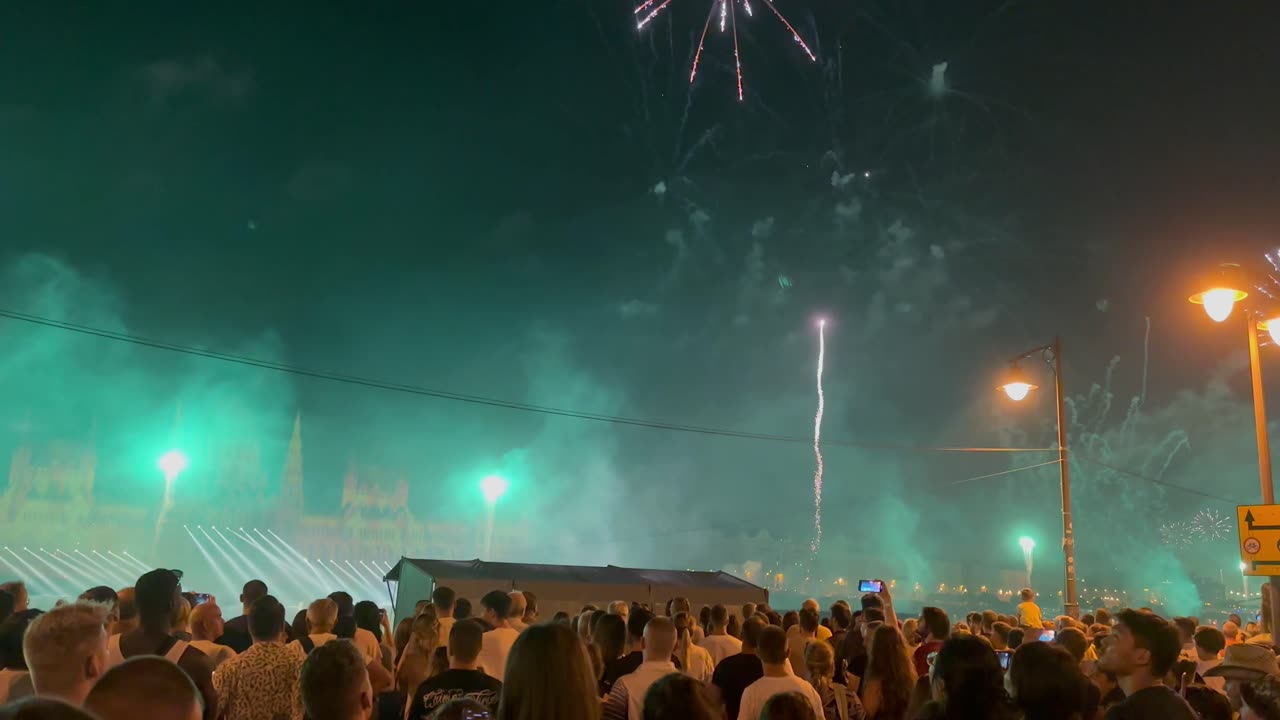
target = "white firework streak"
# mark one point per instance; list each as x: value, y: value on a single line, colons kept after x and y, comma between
x: 817, y: 442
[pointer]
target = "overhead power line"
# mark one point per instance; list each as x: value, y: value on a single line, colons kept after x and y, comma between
x: 478, y: 399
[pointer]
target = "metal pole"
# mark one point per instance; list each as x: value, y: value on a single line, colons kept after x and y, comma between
x: 1070, y: 607
x: 1264, y: 447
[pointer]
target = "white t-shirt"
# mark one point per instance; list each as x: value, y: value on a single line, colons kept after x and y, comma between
x: 217, y: 653
x: 632, y: 688
x: 721, y: 646
x: 367, y: 642
x: 494, y: 650
x: 701, y: 664
x: 446, y: 626
x: 317, y: 639
x: 759, y: 692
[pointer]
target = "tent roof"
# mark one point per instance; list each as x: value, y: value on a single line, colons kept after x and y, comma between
x: 609, y: 575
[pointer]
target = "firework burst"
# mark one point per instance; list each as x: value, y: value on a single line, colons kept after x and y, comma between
x: 1210, y: 525
x: 727, y: 10
x: 817, y: 441
x: 1177, y: 534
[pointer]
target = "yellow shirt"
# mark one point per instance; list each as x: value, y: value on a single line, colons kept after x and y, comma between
x: 1029, y: 615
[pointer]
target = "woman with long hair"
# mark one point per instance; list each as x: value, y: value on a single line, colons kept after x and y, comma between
x: 695, y: 661
x: 1046, y: 683
x: 678, y: 697
x: 838, y: 702
x: 548, y: 675
x: 415, y: 661
x: 788, y: 706
x: 967, y: 682
x: 890, y: 677
x: 609, y: 643
x: 369, y: 617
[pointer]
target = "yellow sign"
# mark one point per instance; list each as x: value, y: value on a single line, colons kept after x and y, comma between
x: 1259, y: 539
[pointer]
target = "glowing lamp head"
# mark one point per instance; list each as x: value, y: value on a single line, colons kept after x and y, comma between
x: 1027, y: 544
x: 1218, y: 302
x: 1272, y: 327
x: 1016, y: 385
x: 172, y: 463
x: 493, y: 488
x: 1243, y: 567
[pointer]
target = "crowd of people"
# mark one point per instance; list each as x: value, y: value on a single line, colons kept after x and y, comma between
x: 154, y: 651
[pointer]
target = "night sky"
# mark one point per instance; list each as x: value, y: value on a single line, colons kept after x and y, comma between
x: 526, y: 201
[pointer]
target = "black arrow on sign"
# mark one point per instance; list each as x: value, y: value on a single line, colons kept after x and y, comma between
x: 1256, y: 563
x: 1248, y: 518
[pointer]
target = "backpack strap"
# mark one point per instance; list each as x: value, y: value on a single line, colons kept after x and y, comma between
x: 307, y: 644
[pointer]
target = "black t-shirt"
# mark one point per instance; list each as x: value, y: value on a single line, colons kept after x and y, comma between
x: 454, y: 685
x: 733, y: 675
x: 235, y: 634
x: 1153, y: 703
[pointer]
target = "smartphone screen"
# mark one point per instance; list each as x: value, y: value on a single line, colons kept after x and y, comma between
x: 202, y: 598
x: 870, y: 586
x: 1047, y: 636
x: 1004, y: 656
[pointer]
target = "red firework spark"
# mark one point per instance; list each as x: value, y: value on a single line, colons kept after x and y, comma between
x: 650, y: 9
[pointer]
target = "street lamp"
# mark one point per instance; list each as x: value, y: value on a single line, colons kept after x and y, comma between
x: 172, y: 464
x: 1218, y: 300
x: 1244, y: 579
x: 1017, y: 387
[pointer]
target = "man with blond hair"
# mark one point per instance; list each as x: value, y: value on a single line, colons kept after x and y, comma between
x: 66, y: 650
x: 206, y: 628
x: 515, y: 616
x: 619, y: 608
x: 322, y: 615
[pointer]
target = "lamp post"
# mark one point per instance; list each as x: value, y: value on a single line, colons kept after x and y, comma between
x: 1018, y: 387
x: 493, y: 487
x: 1244, y: 579
x: 1219, y: 300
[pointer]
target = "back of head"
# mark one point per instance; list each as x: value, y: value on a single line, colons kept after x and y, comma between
x: 7, y: 604
x: 17, y: 590
x: 660, y: 638
x: 678, y: 697
x: 748, y: 609
x: 334, y: 682
x: 42, y: 708
x: 719, y: 616
x: 1074, y: 641
x: 619, y: 608
x: 549, y: 675
x: 820, y: 659
x: 444, y: 598
x: 970, y: 675
x: 322, y: 615
x: 841, y: 616
x: 789, y: 619
x: 680, y: 604
x: 787, y: 706
x: 346, y: 606
x: 58, y: 643
x: 1210, y: 640
x: 266, y: 619
x: 517, y: 605
x: 636, y: 622
x: 611, y: 637
x: 251, y: 591
x: 1186, y: 626
x: 157, y: 595
x: 989, y: 618
x: 1154, y: 634
x: 530, y: 603
x: 871, y: 600
x: 751, y: 630
x: 102, y: 595
x: 1026, y: 594
x: 773, y: 645
x: 1047, y: 682
x: 1263, y: 697
x: 11, y: 632
x: 369, y: 617
x: 936, y: 622
x: 465, y: 641
x: 462, y: 609
x: 809, y: 621
x: 1102, y: 616
x: 497, y: 602
x: 145, y: 687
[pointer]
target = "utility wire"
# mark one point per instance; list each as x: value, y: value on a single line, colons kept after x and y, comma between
x: 478, y: 399
x: 1004, y: 472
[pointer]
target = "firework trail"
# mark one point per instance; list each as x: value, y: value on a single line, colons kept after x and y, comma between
x: 817, y: 442
x: 647, y: 10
